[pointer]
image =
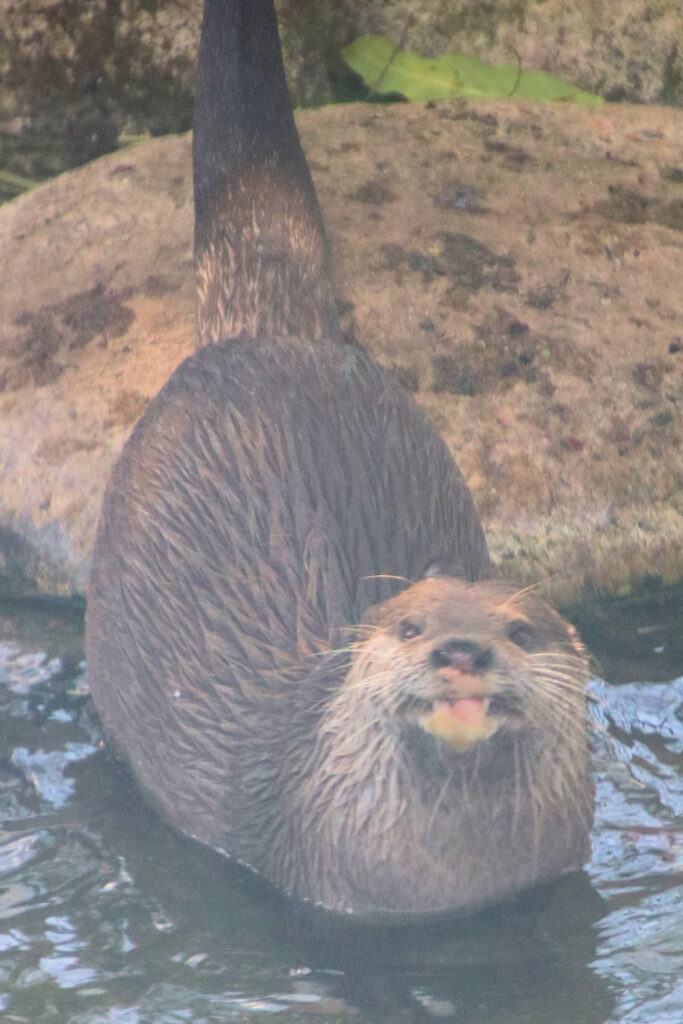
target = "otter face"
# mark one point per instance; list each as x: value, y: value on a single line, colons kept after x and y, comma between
x: 465, y: 660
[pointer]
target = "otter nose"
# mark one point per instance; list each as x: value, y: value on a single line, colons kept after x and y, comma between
x: 462, y: 654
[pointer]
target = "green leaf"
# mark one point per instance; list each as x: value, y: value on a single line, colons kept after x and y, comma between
x: 384, y: 69
x: 538, y: 85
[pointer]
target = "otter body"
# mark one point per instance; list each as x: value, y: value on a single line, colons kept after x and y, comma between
x: 247, y: 524
x: 289, y: 634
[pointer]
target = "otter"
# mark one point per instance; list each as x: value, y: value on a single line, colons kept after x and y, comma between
x: 291, y: 635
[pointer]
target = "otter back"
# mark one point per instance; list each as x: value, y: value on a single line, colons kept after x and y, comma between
x: 257, y: 509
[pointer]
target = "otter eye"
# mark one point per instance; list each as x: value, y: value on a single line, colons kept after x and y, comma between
x: 520, y: 633
x: 409, y: 629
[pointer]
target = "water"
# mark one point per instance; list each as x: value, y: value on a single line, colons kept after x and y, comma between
x: 108, y: 916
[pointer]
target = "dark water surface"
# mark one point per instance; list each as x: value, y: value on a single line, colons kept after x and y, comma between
x: 108, y: 916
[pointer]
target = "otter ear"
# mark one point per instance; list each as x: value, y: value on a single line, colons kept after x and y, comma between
x: 432, y: 570
x: 576, y: 640
x: 439, y: 567
x: 371, y: 615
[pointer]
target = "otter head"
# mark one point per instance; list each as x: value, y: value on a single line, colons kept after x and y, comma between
x: 465, y: 661
x: 450, y: 766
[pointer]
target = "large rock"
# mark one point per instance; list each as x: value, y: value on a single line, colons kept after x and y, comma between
x: 74, y: 74
x: 518, y: 266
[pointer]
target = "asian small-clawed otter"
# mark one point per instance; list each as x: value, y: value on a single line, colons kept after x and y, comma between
x: 290, y: 635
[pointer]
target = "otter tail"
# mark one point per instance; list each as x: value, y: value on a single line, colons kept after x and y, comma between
x: 261, y: 257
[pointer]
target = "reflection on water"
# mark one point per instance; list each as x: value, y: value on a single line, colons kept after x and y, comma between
x: 107, y: 916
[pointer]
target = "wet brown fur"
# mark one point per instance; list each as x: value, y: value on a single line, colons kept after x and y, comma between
x: 247, y: 524
x: 262, y: 268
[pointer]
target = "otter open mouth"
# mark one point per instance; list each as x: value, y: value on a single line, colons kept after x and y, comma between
x: 463, y: 720
x: 502, y: 705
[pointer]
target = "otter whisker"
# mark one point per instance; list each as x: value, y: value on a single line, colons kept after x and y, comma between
x: 566, y: 677
x: 554, y: 682
x: 515, y: 597
x: 553, y: 685
x: 569, y: 653
x: 557, y: 717
x: 558, y: 697
x: 388, y: 576
x: 573, y: 671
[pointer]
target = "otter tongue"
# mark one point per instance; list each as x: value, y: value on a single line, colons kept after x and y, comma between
x: 467, y: 709
x: 461, y: 722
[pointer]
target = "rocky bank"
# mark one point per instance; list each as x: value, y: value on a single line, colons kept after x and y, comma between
x: 518, y: 266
